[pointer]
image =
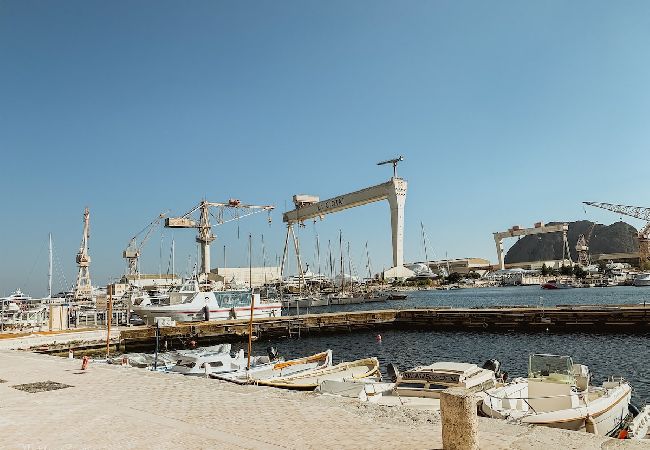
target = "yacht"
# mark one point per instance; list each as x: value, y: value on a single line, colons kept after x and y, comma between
x: 189, y: 304
x: 642, y: 279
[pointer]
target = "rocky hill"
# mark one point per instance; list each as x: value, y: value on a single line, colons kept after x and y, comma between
x: 614, y: 238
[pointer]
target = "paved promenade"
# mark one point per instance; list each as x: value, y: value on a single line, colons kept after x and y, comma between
x: 119, y: 407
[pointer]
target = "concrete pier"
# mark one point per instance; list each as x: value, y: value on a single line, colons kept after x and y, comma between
x: 119, y: 407
x: 600, y: 318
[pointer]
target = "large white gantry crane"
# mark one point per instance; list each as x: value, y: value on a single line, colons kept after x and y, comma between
x: 539, y: 228
x: 309, y: 207
x: 204, y: 227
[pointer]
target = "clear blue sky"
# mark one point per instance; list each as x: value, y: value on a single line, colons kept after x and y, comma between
x: 507, y: 113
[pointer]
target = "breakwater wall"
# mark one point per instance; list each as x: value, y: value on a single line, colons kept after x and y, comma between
x: 601, y: 318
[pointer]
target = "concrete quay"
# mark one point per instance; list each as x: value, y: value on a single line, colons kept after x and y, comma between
x: 120, y: 407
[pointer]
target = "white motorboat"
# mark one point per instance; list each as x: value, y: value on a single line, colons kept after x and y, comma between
x: 557, y: 394
x: 278, y: 369
x: 212, y: 362
x: 189, y: 304
x: 417, y: 388
x: 643, y: 279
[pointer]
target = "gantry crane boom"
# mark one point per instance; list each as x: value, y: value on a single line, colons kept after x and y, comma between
x: 638, y: 212
x: 133, y: 251
x: 205, y: 236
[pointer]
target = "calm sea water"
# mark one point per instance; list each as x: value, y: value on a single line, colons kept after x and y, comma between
x: 608, y: 354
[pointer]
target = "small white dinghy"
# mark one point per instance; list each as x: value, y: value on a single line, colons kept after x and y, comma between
x: 213, y: 362
x: 277, y: 369
x: 557, y: 394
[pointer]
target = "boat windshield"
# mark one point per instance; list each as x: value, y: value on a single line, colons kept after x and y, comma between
x: 233, y: 299
x: 551, y: 367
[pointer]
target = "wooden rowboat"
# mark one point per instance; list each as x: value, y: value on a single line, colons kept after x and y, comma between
x: 310, y: 380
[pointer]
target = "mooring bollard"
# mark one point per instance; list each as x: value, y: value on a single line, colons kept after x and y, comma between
x: 459, y: 420
x: 84, y: 363
x: 70, y: 354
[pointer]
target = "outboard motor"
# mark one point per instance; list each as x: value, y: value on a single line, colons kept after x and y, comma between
x: 272, y: 352
x: 495, y: 366
x: 393, y: 372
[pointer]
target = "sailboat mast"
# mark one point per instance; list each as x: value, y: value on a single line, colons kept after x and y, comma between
x: 173, y: 258
x: 49, y: 270
x: 350, y: 267
x: 424, y: 242
x: 318, y: 252
x: 342, y: 267
x: 368, y: 261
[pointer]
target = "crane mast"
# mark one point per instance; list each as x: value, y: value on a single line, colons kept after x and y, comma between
x: 204, y: 235
x: 638, y: 212
x: 83, y: 288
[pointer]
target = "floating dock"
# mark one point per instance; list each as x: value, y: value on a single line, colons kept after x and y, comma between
x: 589, y: 318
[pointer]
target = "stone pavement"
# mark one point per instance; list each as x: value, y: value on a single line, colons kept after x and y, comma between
x: 119, y: 407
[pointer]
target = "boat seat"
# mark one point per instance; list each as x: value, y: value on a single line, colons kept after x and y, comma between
x: 546, y: 396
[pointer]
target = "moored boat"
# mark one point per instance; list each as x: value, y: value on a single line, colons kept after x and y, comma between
x: 555, y: 284
x: 310, y: 380
x: 557, y: 394
x: 194, y: 305
x: 278, y: 370
x: 643, y: 279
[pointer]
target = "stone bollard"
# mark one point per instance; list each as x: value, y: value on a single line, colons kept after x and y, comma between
x: 459, y: 420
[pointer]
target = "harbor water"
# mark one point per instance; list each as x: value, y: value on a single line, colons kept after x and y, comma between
x: 606, y: 354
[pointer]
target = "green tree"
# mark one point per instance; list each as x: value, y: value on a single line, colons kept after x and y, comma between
x: 454, y: 277
x: 579, y: 272
x: 545, y: 270
x: 566, y: 270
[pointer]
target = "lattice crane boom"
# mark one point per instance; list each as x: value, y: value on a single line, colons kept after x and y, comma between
x: 133, y: 251
x: 638, y: 212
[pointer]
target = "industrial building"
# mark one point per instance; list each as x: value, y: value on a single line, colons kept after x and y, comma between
x: 241, y: 276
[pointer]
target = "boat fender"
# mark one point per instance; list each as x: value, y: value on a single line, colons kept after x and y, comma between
x: 633, y: 409
x: 590, y: 425
x: 232, y: 314
x: 393, y: 372
x: 378, y: 337
x: 623, y: 434
x: 206, y: 313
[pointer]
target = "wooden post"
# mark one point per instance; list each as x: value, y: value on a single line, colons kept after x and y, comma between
x: 250, y: 283
x: 459, y: 420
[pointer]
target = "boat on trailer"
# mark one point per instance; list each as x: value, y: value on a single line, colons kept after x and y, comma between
x: 558, y: 394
